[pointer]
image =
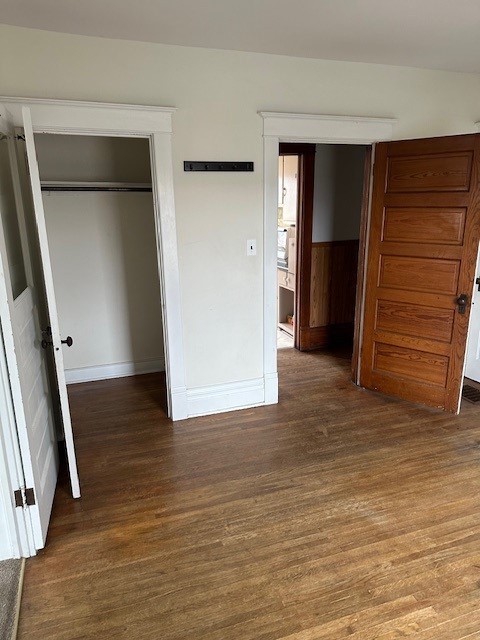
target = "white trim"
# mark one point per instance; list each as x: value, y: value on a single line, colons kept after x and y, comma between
x: 298, y: 127
x: 114, y: 370
x: 167, y: 256
x: 232, y: 396
x: 91, y: 118
x: 154, y: 123
x: 271, y: 388
x: 477, y: 126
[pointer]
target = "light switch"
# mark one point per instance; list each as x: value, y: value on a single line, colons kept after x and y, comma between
x: 251, y: 247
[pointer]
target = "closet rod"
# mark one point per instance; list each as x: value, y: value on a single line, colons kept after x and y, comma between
x: 95, y: 186
x: 75, y: 188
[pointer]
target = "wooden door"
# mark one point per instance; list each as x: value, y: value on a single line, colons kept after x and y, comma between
x: 21, y: 332
x: 422, y: 251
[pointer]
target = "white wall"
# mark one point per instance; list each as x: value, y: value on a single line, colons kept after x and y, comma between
x: 104, y: 260
x: 103, y: 254
x: 218, y: 95
x: 338, y: 191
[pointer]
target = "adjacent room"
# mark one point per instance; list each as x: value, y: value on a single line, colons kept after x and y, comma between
x: 321, y: 195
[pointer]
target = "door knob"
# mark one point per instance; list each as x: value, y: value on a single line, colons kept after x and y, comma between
x: 48, y: 342
x: 462, y: 302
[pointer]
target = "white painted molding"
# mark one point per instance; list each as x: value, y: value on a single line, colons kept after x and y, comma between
x: 298, y: 127
x: 115, y: 370
x: 477, y: 126
x: 271, y: 388
x: 154, y: 123
x: 50, y: 116
x: 225, y: 397
x: 179, y: 408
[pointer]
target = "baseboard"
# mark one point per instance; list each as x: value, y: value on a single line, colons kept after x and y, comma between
x: 328, y: 336
x: 203, y: 401
x: 115, y: 370
x: 271, y: 388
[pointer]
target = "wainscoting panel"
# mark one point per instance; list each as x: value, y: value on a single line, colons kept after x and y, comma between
x: 332, y: 292
x: 334, y: 276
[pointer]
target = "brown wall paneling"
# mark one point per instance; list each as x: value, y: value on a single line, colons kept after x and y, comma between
x: 332, y: 292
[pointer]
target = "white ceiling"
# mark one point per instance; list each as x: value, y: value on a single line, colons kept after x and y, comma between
x: 435, y: 34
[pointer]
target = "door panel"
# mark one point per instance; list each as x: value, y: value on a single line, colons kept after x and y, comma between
x: 46, y: 267
x: 435, y: 172
x: 37, y: 404
x: 419, y: 274
x: 422, y: 249
x: 427, y: 225
x: 415, y: 320
x: 30, y: 390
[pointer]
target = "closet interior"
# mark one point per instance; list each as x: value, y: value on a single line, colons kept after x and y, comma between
x: 99, y: 213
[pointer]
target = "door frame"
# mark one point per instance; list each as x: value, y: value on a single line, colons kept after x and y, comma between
x: 302, y: 128
x: 154, y: 123
x: 17, y: 521
x: 305, y: 185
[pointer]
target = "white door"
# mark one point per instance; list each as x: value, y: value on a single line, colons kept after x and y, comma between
x: 472, y: 368
x: 19, y: 317
x: 55, y: 338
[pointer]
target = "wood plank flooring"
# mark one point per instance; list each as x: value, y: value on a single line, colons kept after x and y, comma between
x: 336, y: 514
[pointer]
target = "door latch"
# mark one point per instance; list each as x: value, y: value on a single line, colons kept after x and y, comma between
x: 48, y: 342
x: 462, y: 302
x: 47, y: 338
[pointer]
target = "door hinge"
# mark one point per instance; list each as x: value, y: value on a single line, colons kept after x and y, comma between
x: 19, y: 136
x: 24, y: 497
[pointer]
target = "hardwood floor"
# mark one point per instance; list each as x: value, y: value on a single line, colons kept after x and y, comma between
x: 336, y: 514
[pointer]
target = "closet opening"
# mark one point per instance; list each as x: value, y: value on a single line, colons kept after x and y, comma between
x: 99, y: 213
x: 322, y: 191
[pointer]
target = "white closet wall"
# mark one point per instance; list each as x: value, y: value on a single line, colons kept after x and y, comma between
x: 103, y: 252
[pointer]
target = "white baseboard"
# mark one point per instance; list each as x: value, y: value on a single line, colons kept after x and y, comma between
x: 203, y: 401
x: 271, y: 388
x: 115, y: 370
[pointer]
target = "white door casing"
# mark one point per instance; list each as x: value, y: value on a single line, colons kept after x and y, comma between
x: 472, y: 365
x: 154, y: 123
x: 297, y: 127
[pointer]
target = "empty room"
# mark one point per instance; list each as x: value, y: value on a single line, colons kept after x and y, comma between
x: 239, y: 320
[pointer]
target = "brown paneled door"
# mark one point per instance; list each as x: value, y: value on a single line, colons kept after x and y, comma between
x: 421, y: 255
